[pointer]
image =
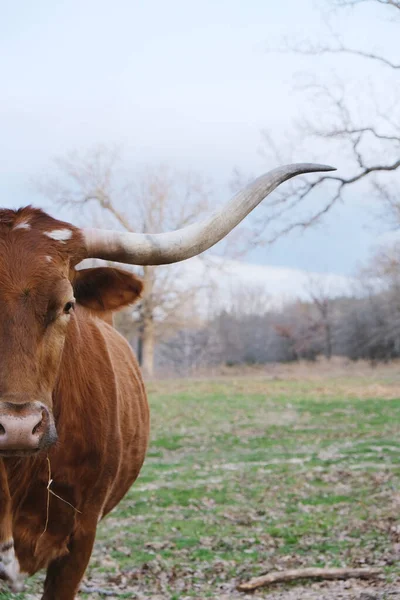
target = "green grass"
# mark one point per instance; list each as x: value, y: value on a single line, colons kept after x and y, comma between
x: 244, y: 475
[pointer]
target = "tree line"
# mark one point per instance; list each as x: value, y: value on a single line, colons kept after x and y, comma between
x: 365, y: 325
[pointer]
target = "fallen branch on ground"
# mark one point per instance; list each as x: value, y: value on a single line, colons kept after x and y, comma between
x: 309, y: 573
x: 95, y: 590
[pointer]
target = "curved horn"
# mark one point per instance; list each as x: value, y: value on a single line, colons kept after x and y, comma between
x: 165, y: 248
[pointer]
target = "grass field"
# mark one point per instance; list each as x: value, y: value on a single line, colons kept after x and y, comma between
x: 249, y: 474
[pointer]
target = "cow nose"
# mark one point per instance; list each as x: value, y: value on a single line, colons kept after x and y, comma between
x: 22, y: 427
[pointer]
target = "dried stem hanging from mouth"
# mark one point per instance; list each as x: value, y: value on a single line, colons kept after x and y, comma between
x: 50, y: 491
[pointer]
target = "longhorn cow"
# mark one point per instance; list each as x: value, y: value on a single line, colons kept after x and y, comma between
x: 74, y: 419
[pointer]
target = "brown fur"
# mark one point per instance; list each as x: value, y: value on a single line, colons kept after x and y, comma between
x: 85, y: 372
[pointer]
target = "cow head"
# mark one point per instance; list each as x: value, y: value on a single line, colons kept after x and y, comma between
x: 39, y: 292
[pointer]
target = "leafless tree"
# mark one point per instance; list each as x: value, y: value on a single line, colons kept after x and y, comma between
x: 322, y: 318
x: 154, y: 199
x: 381, y: 280
x: 357, y: 120
x: 190, y: 349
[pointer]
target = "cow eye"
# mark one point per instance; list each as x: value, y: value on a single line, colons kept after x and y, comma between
x: 69, y: 307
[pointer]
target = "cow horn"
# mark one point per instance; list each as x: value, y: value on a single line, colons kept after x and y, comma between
x: 165, y: 248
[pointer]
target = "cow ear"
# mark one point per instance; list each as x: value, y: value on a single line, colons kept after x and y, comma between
x: 106, y: 288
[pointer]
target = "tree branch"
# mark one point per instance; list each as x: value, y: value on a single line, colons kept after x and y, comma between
x: 310, y: 573
x: 392, y: 3
x: 318, y: 50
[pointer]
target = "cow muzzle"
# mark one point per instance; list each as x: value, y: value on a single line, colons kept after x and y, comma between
x: 25, y: 428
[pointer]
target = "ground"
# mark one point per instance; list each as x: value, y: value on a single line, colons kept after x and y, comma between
x: 257, y: 472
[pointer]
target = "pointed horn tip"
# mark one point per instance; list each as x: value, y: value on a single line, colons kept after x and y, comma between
x: 327, y: 168
x: 312, y: 167
x: 301, y: 169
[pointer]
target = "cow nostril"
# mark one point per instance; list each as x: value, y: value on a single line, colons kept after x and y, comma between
x: 37, y: 426
x: 2, y: 430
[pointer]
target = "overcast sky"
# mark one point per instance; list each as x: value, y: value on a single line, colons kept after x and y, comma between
x: 179, y: 81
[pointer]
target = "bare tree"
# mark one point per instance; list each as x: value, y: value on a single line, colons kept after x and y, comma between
x: 155, y: 199
x: 360, y: 123
x: 322, y: 318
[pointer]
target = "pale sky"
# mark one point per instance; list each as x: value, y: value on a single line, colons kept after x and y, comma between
x: 178, y: 81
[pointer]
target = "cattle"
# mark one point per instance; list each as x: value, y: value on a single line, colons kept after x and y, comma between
x: 74, y: 418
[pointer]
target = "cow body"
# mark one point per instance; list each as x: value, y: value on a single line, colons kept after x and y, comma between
x: 52, y: 499
x: 99, y: 395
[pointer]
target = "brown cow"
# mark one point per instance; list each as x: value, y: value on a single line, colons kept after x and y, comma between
x: 74, y: 420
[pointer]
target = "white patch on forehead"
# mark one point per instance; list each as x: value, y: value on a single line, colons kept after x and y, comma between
x: 23, y: 225
x: 48, y: 258
x: 60, y: 235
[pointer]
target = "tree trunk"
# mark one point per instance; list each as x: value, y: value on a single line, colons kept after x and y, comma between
x: 328, y: 341
x: 148, y: 348
x: 146, y: 331
x: 140, y: 345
